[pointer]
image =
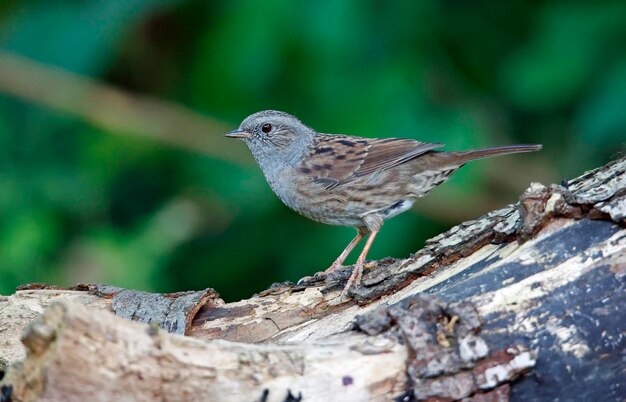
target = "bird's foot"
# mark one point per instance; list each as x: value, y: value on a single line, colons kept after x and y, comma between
x: 355, y: 279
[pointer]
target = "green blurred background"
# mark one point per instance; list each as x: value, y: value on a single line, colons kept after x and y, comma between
x: 113, y: 165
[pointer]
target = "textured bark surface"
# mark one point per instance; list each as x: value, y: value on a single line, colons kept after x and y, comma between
x: 532, y: 293
x: 173, y: 311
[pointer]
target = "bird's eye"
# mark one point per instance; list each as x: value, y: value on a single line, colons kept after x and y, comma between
x: 266, y: 128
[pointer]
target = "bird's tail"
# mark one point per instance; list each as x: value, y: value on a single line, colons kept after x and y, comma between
x: 435, y: 167
x: 465, y: 156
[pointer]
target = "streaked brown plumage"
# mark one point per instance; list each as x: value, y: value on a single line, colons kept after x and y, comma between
x: 346, y: 180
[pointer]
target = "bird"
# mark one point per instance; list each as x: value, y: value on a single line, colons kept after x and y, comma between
x: 347, y: 180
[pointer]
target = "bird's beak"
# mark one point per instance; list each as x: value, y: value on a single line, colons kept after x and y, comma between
x: 238, y: 134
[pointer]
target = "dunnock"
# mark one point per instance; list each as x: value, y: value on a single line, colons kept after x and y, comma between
x: 346, y: 180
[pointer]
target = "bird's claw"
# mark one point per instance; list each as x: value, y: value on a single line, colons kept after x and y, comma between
x: 355, y: 279
x: 345, y: 293
x: 303, y: 280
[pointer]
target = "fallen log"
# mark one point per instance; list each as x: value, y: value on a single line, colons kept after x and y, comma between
x: 534, y: 291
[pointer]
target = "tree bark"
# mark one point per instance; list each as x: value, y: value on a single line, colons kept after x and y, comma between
x: 524, y: 303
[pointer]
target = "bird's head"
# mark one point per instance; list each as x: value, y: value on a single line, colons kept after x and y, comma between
x: 271, y: 134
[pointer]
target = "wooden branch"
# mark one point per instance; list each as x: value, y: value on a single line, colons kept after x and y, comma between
x: 534, y: 287
x: 100, y: 357
x: 173, y: 311
x: 114, y: 109
x: 77, y: 354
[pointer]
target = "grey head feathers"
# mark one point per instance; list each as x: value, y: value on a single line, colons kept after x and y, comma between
x: 277, y: 139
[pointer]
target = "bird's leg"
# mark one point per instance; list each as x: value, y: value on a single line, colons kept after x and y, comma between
x: 357, y: 272
x: 338, y: 264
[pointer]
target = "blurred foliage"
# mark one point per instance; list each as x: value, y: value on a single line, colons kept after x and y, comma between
x: 80, y: 203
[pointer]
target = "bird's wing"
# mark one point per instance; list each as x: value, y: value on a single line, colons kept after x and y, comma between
x: 389, y: 152
x: 339, y: 159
